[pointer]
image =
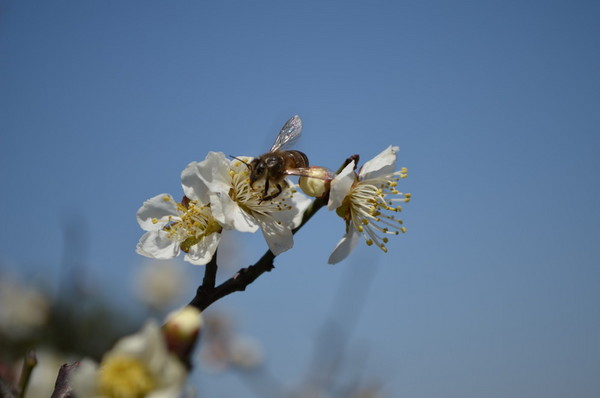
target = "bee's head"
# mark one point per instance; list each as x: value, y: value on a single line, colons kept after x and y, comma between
x: 257, y: 169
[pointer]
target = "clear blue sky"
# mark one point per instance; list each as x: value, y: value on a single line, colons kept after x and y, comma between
x: 494, y: 291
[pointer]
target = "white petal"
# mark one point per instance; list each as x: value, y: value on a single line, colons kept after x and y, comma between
x: 172, y: 380
x: 137, y: 345
x: 300, y: 203
x: 214, y: 171
x: 279, y: 238
x: 344, y: 247
x: 84, y: 379
x: 227, y: 212
x: 341, y: 186
x: 157, y: 244
x: 382, y: 164
x: 147, y: 345
x: 293, y: 217
x: 193, y: 186
x: 202, y: 252
x: 159, y: 208
x: 172, y: 391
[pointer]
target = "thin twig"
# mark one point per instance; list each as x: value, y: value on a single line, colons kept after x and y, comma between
x: 210, y: 273
x: 206, y: 295
x: 29, y: 362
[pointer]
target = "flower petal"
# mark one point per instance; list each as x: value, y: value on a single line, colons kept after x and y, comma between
x: 193, y: 186
x: 279, y: 238
x: 341, y: 186
x: 157, y: 244
x: 293, y: 217
x: 300, y: 204
x: 84, y: 379
x: 214, y: 172
x: 145, y: 345
x: 230, y: 215
x: 202, y: 252
x: 156, y: 212
x: 344, y: 246
x: 382, y: 164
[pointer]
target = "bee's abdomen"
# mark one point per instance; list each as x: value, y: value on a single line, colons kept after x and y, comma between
x: 296, y: 159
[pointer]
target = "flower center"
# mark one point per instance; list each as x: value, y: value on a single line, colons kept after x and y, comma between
x: 195, y: 222
x: 372, y: 205
x: 250, y: 198
x: 125, y: 377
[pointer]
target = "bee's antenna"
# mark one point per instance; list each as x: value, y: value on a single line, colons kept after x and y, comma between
x: 243, y: 161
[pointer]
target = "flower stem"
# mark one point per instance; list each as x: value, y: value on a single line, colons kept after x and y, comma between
x: 29, y: 362
x: 210, y: 273
x: 207, y: 293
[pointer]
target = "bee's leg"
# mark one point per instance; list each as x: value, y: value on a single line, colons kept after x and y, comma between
x: 276, y: 194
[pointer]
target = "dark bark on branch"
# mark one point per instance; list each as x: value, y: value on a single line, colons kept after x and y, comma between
x: 62, y: 388
x: 207, y: 293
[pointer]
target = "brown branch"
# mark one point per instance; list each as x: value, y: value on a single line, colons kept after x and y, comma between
x: 29, y: 362
x: 207, y: 294
x: 62, y: 388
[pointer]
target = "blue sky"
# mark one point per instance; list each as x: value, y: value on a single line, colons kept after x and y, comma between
x: 494, y: 289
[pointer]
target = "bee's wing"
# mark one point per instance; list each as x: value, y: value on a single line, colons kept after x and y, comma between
x: 288, y: 135
x: 314, y: 172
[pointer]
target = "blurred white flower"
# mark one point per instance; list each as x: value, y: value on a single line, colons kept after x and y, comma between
x: 138, y: 366
x: 173, y: 227
x: 237, y: 205
x: 159, y: 283
x: 367, y: 202
x: 23, y: 309
x: 245, y: 352
x: 222, y: 348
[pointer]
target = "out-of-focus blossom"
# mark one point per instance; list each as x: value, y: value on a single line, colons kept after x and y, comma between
x: 158, y: 284
x: 222, y: 348
x: 173, y: 227
x: 367, y: 202
x: 237, y: 205
x: 23, y: 309
x: 138, y: 366
x: 245, y: 352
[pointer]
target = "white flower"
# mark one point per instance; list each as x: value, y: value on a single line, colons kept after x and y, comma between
x: 24, y: 310
x: 363, y: 202
x: 160, y: 283
x: 173, y: 227
x: 138, y: 366
x: 237, y: 205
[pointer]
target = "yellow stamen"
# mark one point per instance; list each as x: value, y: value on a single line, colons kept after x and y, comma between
x: 124, y: 377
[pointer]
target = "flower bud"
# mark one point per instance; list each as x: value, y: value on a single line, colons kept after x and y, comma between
x: 181, y: 331
x: 316, y: 183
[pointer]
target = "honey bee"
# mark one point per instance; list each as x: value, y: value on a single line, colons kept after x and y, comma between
x: 278, y: 163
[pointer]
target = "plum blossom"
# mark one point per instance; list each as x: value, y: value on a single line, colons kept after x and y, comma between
x: 139, y: 365
x: 236, y: 204
x: 173, y: 227
x: 367, y: 201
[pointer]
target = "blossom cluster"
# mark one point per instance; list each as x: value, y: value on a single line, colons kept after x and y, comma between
x: 220, y: 194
